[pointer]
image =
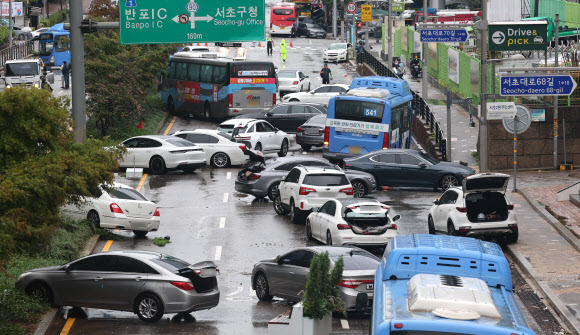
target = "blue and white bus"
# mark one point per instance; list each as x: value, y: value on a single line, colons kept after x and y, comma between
x: 374, y: 114
x: 54, y: 45
x: 212, y: 86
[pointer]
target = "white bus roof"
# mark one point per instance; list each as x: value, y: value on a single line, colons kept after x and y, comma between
x: 368, y: 92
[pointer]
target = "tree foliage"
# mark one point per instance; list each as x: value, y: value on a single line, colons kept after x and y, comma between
x: 321, y: 296
x: 41, y: 167
x: 104, y: 10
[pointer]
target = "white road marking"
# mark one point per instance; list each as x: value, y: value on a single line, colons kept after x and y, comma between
x: 226, y: 195
x: 344, y: 324
x: 238, y: 290
x: 222, y: 222
x: 218, y: 253
x: 229, y: 175
x: 252, y: 292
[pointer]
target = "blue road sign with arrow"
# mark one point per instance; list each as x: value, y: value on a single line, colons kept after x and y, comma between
x: 444, y: 35
x: 550, y: 84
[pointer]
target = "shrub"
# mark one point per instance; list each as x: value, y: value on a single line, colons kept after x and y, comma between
x: 321, y: 296
x: 58, y: 17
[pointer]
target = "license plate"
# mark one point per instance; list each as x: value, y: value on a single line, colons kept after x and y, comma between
x: 355, y: 150
x: 370, y: 286
x: 253, y: 103
x: 282, y: 28
x: 312, y: 131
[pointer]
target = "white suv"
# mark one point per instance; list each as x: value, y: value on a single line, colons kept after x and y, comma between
x: 307, y: 187
x: 479, y: 208
x: 258, y: 135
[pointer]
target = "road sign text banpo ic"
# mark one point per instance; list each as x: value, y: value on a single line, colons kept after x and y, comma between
x: 185, y: 21
x: 510, y: 36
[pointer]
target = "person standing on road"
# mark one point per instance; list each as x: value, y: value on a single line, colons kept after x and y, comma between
x: 65, y: 73
x: 269, y: 45
x: 326, y: 74
x: 283, y: 50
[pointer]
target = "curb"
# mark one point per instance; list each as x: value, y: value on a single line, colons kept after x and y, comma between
x: 563, y: 312
x: 566, y: 234
x: 49, y: 316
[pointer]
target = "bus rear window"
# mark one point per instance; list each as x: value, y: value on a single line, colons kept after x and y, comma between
x: 282, y: 11
x: 252, y: 70
x: 357, y: 110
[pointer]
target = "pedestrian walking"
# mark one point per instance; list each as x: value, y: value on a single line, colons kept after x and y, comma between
x: 283, y: 50
x: 65, y: 73
x: 326, y: 74
x: 269, y: 45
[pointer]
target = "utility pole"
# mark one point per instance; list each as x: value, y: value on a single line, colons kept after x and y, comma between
x: 10, y: 25
x: 334, y: 19
x: 556, y: 49
x: 425, y: 72
x: 79, y: 114
x: 483, y: 135
x: 536, y: 7
x: 389, y: 35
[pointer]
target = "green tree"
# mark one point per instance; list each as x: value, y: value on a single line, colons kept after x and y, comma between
x: 41, y: 167
x: 104, y: 10
x: 321, y: 296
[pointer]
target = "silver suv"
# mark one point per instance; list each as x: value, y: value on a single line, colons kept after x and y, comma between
x: 307, y: 187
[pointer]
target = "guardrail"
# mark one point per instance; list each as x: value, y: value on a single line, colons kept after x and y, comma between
x: 420, y: 107
x: 17, y: 51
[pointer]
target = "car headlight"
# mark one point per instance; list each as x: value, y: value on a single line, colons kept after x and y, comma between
x: 36, y: 85
x: 8, y: 85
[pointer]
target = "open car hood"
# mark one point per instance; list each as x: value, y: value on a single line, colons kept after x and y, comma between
x: 485, y: 182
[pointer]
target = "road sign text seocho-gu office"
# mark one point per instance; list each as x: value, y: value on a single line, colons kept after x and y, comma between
x: 510, y: 36
x: 186, y: 21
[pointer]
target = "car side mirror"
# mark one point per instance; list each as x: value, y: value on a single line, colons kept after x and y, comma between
x: 396, y: 217
x: 436, y: 202
x: 422, y: 165
x: 67, y: 268
x: 269, y: 114
x: 277, y: 259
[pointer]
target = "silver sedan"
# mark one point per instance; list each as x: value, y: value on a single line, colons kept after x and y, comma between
x: 285, y: 276
x: 148, y: 284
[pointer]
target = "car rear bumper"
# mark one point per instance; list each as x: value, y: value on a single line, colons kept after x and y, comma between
x: 128, y: 223
x: 348, y: 296
x: 189, y: 301
x: 252, y: 189
x: 489, y: 232
x: 310, y: 140
x: 289, y: 88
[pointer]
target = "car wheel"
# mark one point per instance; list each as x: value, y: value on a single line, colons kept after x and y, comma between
x: 170, y: 106
x: 359, y: 189
x: 449, y: 181
x: 278, y: 206
x: 309, y: 231
x: 306, y: 147
x: 140, y: 233
x: 273, y: 191
x: 328, y: 238
x: 39, y: 291
x: 258, y: 146
x: 295, y: 216
x: 283, y: 149
x: 430, y: 225
x: 451, y: 229
x: 149, y: 307
x: 294, y: 100
x: 94, y: 218
x: 262, y: 287
x: 220, y: 160
x: 207, y: 111
x: 157, y: 165
x: 513, y: 238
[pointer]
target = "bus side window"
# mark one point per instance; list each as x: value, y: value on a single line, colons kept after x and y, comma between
x: 193, y: 72
x: 181, y: 71
x: 171, y: 70
x: 219, y: 74
x: 395, y: 120
x: 206, y: 74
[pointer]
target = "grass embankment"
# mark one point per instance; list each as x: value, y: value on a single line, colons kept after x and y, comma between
x: 18, y: 312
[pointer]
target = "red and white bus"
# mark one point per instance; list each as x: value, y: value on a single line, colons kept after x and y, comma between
x: 283, y: 19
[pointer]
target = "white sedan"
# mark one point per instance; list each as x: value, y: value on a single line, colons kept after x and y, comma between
x: 319, y: 95
x: 362, y: 222
x: 122, y: 207
x: 160, y: 153
x: 220, y: 149
x: 336, y: 52
x: 258, y: 135
x: 292, y: 81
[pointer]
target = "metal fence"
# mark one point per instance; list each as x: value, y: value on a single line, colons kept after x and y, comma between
x: 420, y: 107
x: 17, y: 51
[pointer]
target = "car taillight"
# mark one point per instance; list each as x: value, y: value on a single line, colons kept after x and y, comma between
x: 255, y: 176
x: 274, y: 100
x: 461, y: 209
x: 244, y: 138
x: 347, y: 191
x: 299, y: 129
x: 230, y: 100
x: 342, y: 226
x: 182, y: 285
x: 295, y: 83
x: 510, y: 207
x: 386, y: 141
x: 385, y: 207
x: 354, y: 283
x: 326, y: 137
x: 306, y: 190
x: 156, y: 212
x: 115, y: 208
x: 393, y: 226
x: 271, y: 25
x: 243, y: 147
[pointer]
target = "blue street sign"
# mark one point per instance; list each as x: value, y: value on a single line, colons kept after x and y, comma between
x: 549, y: 84
x: 444, y: 35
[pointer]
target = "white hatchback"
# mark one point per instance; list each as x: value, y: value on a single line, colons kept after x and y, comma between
x: 221, y: 150
x: 479, y: 209
x: 121, y: 207
x: 361, y: 222
x: 258, y: 135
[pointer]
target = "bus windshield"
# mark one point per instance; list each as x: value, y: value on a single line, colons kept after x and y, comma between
x: 283, y: 11
x: 357, y: 110
x: 62, y: 43
x: 21, y: 69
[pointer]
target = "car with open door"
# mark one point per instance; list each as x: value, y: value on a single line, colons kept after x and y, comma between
x: 480, y: 208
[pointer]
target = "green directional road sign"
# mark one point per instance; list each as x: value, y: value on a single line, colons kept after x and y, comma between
x: 517, y: 36
x: 186, y: 21
x: 397, y: 6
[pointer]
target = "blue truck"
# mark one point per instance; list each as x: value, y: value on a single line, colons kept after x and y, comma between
x: 445, y: 285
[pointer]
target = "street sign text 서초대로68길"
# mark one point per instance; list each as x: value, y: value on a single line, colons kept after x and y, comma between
x: 548, y: 84
x: 186, y: 21
x: 444, y: 35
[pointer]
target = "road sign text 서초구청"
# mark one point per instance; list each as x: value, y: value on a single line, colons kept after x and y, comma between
x: 444, y: 35
x: 549, y: 84
x: 186, y: 21
x: 510, y: 36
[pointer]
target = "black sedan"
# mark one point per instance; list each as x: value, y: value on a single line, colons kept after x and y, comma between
x: 373, y: 32
x: 311, y: 133
x: 288, y: 116
x: 409, y: 168
x: 310, y: 30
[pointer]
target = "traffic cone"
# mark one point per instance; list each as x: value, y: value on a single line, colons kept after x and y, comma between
x: 259, y: 44
x: 198, y: 44
x: 140, y: 125
x: 291, y: 43
x: 206, y: 44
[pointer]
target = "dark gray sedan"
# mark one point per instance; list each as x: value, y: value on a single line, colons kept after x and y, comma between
x: 311, y: 133
x: 148, y: 284
x: 285, y: 275
x: 263, y: 181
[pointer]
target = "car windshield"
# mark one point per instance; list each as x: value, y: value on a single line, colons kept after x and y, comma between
x: 428, y: 158
x: 21, y: 69
x: 311, y: 26
x: 337, y: 46
x: 126, y: 194
x: 228, y: 137
x: 287, y: 74
x: 319, y: 179
x: 178, y: 142
x: 170, y: 263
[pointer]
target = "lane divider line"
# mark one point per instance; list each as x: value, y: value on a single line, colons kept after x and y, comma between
x: 218, y: 253
x: 226, y: 195
x: 344, y: 324
x: 138, y: 188
x: 67, y: 326
x: 222, y: 222
x: 229, y: 175
x: 107, y: 246
x: 170, y: 125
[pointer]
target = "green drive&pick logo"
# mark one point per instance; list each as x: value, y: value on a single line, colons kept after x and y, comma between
x: 498, y: 37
